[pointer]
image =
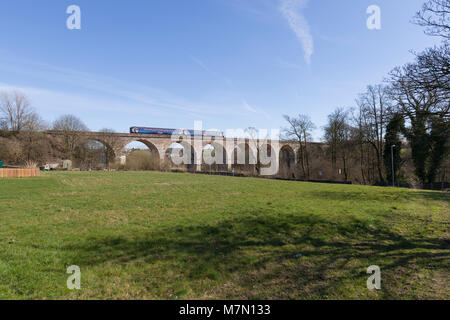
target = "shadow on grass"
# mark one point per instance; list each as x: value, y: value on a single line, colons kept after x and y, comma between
x: 431, y: 195
x: 249, y: 243
x: 392, y: 195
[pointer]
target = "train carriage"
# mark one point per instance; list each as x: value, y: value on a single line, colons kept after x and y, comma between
x: 164, y: 131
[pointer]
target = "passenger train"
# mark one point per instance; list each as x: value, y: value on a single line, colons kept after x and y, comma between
x: 162, y: 131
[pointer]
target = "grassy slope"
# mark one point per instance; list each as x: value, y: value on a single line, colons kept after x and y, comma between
x: 162, y: 236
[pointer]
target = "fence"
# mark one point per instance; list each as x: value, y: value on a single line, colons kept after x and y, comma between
x: 19, y: 173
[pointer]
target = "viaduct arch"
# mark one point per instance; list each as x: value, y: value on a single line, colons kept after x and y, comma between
x: 243, y: 155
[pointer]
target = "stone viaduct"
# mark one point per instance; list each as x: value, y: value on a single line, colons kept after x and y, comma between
x: 264, y: 157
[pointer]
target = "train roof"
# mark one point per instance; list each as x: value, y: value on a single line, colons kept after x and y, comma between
x: 169, y: 129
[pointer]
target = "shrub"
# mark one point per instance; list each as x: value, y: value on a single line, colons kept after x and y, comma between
x: 142, y: 160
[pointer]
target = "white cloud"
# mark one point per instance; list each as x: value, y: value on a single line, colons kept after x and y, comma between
x: 259, y: 111
x: 227, y: 81
x: 249, y: 107
x: 291, y: 11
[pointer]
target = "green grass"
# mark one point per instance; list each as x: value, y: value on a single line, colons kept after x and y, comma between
x: 152, y: 235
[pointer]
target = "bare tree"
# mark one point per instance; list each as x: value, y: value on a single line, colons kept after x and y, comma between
x: 254, y: 135
x: 71, y: 129
x: 435, y: 17
x: 300, y: 129
x: 110, y: 142
x: 374, y: 108
x: 23, y: 127
x: 16, y: 113
x: 433, y: 69
x: 34, y: 142
x: 3, y: 125
x: 11, y: 150
x: 69, y: 123
x: 338, y: 134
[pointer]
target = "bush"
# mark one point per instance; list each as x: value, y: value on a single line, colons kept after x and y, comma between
x: 142, y: 160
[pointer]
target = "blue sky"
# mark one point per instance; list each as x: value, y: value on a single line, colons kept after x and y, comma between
x: 229, y: 63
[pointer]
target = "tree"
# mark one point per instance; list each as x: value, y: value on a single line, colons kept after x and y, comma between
x: 300, y: 129
x: 110, y: 143
x: 429, y: 79
x: 253, y: 135
x: 439, y: 145
x: 360, y: 141
x: 426, y: 108
x: 338, y: 133
x: 374, y: 106
x: 23, y: 127
x: 69, y: 123
x: 11, y: 150
x: 435, y: 17
x: 89, y: 154
x: 3, y: 125
x: 70, y: 128
x: 434, y: 68
x: 393, y: 131
x: 16, y: 113
x: 34, y: 143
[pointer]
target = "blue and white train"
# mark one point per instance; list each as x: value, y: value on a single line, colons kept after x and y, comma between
x: 162, y: 131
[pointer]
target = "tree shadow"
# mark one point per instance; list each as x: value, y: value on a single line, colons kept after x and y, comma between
x: 243, y: 244
x: 403, y: 195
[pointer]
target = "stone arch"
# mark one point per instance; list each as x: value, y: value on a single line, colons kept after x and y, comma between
x: 93, y: 153
x: 287, y: 162
x: 110, y: 152
x: 266, y: 166
x: 244, y: 159
x: 154, y: 152
x: 301, y: 164
x: 214, y: 160
x: 181, y: 155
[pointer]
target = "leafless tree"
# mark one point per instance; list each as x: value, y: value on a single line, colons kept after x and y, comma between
x: 3, y: 125
x: 374, y: 107
x: 23, y: 127
x: 253, y: 135
x: 338, y: 136
x: 412, y: 99
x: 69, y: 123
x: 432, y: 70
x: 435, y: 17
x: 110, y: 142
x: 16, y: 113
x: 300, y: 129
x: 11, y: 150
x: 71, y: 129
x: 34, y: 142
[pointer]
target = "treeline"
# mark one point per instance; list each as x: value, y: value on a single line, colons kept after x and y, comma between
x: 399, y: 128
x: 23, y: 141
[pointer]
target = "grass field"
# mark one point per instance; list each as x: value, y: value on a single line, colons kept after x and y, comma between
x: 152, y: 235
